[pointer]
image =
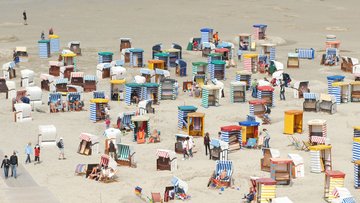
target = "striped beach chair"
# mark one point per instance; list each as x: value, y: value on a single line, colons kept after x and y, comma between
x: 80, y: 169
x: 99, y: 95
x: 222, y: 165
x: 305, y: 53
x: 74, y: 96
x: 125, y: 155
x: 54, y: 98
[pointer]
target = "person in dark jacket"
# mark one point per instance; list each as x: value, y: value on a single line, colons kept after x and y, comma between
x: 13, y: 164
x: 112, y: 150
x: 25, y: 18
x: 6, y: 164
x: 207, y: 143
x: 60, y: 145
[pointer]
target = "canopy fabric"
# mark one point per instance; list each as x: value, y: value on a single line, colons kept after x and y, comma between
x: 89, y: 137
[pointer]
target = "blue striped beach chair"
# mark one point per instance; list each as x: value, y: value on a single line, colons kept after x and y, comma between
x: 54, y: 98
x: 99, y: 95
x: 222, y: 165
x: 74, y: 96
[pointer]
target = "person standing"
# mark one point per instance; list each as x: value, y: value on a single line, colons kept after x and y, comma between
x: 254, y: 85
x: 207, y: 143
x: 216, y: 38
x: 112, y: 150
x: 6, y: 164
x: 13, y: 164
x: 266, y: 138
x: 42, y: 35
x: 37, y: 153
x: 185, y: 149
x: 282, y: 90
x: 60, y: 145
x: 107, y: 123
x: 51, y: 31
x: 25, y: 17
x: 28, y: 152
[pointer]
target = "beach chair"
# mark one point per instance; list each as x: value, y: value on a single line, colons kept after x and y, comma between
x: 251, y: 143
x: 220, y: 167
x: 89, y: 168
x: 295, y: 142
x: 125, y: 155
x: 156, y: 197
x: 112, y: 165
x: 80, y: 169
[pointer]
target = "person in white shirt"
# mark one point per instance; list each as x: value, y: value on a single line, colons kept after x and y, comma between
x: 190, y: 146
x: 185, y: 148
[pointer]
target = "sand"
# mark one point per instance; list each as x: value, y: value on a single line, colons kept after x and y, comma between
x: 99, y: 25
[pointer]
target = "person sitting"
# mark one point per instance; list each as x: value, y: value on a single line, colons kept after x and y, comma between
x: 135, y: 99
x: 195, y: 45
x: 155, y: 137
x: 71, y: 103
x: 95, y: 173
x: 250, y: 196
x: 104, y: 174
x: 52, y: 107
x: 223, y: 175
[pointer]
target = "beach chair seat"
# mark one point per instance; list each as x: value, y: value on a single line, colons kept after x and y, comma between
x: 251, y: 143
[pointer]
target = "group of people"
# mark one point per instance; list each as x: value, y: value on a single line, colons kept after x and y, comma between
x: 101, y: 173
x: 10, y: 163
x: 75, y: 104
x: 57, y: 106
x: 29, y: 152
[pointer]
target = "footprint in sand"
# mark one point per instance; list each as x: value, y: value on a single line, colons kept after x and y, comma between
x: 11, y: 38
x: 336, y: 28
x: 8, y: 24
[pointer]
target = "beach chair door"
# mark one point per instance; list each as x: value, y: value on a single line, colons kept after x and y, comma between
x: 289, y: 124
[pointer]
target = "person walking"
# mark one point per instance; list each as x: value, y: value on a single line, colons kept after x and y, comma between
x: 282, y: 90
x: 37, y: 153
x: 112, y: 150
x: 190, y: 146
x: 207, y: 144
x: 28, y: 152
x: 266, y: 138
x: 185, y: 149
x: 13, y: 164
x: 6, y: 164
x: 25, y: 17
x: 60, y: 145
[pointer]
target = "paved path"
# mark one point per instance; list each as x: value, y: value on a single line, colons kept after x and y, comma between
x: 24, y: 189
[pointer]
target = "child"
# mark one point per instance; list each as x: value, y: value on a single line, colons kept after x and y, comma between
x: 37, y: 153
x: 107, y: 123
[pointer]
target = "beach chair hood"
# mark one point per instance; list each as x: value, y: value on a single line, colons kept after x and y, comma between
x: 139, y: 79
x: 179, y: 183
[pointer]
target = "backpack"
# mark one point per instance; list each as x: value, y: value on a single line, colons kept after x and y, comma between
x: 58, y: 144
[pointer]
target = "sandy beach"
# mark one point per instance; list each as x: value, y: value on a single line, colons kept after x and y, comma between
x: 99, y: 25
